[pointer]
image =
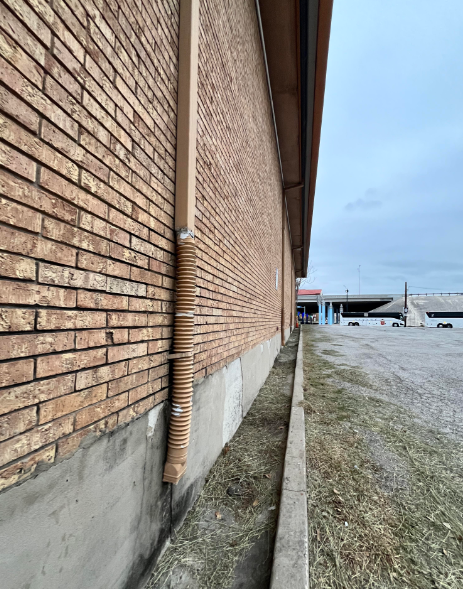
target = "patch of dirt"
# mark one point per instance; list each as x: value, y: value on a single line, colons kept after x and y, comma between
x: 331, y: 353
x: 393, y: 472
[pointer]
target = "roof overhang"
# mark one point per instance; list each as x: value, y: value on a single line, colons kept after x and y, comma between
x: 296, y: 35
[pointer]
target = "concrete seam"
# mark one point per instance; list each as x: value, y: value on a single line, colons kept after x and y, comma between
x: 291, y: 555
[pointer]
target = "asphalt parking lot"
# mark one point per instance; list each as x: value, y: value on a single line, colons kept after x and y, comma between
x: 420, y: 369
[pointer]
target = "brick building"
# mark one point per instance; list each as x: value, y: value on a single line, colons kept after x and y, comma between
x: 121, y: 126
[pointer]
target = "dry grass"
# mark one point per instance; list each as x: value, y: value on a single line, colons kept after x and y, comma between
x: 208, y: 547
x: 402, y: 499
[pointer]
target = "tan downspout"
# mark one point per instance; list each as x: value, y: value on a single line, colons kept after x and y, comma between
x: 283, y: 235
x: 182, y: 389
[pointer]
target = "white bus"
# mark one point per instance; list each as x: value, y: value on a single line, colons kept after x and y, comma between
x: 444, y: 319
x: 373, y: 318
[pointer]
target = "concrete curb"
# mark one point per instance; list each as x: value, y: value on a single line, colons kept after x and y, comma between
x: 291, y: 555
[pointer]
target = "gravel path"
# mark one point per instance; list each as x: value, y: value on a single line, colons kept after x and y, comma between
x: 417, y: 368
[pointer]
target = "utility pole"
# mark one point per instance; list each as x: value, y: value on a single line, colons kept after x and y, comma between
x: 359, y: 278
x: 405, y: 307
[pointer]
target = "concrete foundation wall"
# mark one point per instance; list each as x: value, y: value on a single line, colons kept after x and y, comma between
x: 100, y: 519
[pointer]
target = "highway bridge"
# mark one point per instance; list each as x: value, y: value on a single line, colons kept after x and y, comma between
x: 308, y: 301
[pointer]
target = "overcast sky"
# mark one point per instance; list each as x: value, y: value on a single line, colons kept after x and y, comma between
x: 390, y: 179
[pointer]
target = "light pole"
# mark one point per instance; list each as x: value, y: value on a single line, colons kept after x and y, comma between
x: 347, y: 303
x: 359, y: 278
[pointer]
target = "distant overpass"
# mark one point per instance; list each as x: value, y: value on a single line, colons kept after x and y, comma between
x: 362, y: 302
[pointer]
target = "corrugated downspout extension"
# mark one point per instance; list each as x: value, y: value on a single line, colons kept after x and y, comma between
x: 185, y: 202
x: 182, y: 392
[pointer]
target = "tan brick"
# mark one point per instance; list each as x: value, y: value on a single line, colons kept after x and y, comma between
x: 17, y: 109
x: 160, y: 293
x: 51, y: 319
x: 118, y: 353
x: 103, y: 265
x: 127, y: 382
x: 22, y: 470
x: 128, y: 191
x: 127, y: 223
x: 34, y: 246
x: 59, y: 363
x: 16, y: 372
x: 158, y: 346
x: 95, y: 109
x: 116, y: 285
x: 31, y: 20
x: 127, y: 255
x: 37, y: 99
x: 36, y: 392
x: 53, y: 136
x: 103, y: 153
x: 100, y: 227
x: 15, y: 346
x: 17, y: 162
x: 59, y: 73
x: 97, y: 300
x: 145, y: 333
x: 72, y: 193
x: 16, y: 319
x: 21, y: 35
x: 32, y: 440
x: 17, y: 422
x: 98, y: 375
x: 137, y: 364
x: 70, y: 444
x: 101, y: 337
x: 29, y: 195
x: 144, y: 247
x: 140, y: 275
x: 63, y: 276
x: 140, y: 392
x: 81, y: 239
x: 27, y: 142
x: 106, y: 193
x: 60, y: 51
x: 158, y: 372
x: 70, y: 403
x: 72, y: 106
x: 127, y: 319
x: 17, y: 267
x: 99, y: 86
x: 12, y: 52
x: 150, y: 305
x: 157, y: 266
x: 160, y: 319
x: 96, y: 412
x: 23, y: 293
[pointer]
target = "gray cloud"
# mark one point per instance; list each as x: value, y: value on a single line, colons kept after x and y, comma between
x: 363, y: 205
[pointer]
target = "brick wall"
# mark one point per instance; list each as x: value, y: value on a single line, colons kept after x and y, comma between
x: 87, y: 156
x: 238, y: 218
x: 87, y: 123
x: 289, y: 281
